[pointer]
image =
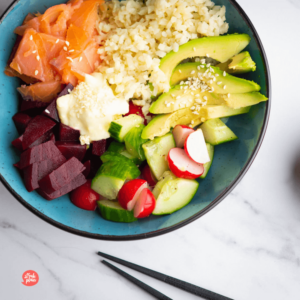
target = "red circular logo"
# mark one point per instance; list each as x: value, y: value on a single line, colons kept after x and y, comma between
x: 30, y: 278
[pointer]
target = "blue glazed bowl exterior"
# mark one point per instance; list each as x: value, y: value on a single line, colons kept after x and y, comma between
x: 231, y: 162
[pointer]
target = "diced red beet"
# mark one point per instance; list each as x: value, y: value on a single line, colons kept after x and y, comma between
x: 74, y: 184
x: 28, y: 104
x: 68, y: 134
x: 95, y: 161
x: 35, y: 172
x: 39, y: 153
x: 37, y: 127
x: 52, y: 138
x: 87, y: 170
x: 71, y: 149
x: 99, y: 147
x: 61, y: 176
x: 17, y: 143
x: 69, y: 88
x: 51, y: 111
x: 21, y: 121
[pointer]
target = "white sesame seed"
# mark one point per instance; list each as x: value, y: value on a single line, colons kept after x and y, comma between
x: 168, y: 105
x: 202, y: 66
x: 69, y: 91
x: 192, y: 122
x: 224, y: 87
x: 67, y: 43
x: 193, y: 72
x: 70, y: 59
x: 38, y: 58
x: 208, y: 65
x: 178, y: 97
x: 224, y: 73
x: 36, y: 72
x: 57, y: 41
x: 179, y: 71
x: 71, y: 50
x: 173, y: 95
x: 195, y: 112
x: 193, y: 108
x: 207, y: 55
x: 194, y: 48
x: 198, y: 95
x: 31, y: 38
x: 191, y: 126
x: 80, y: 59
x: 205, y: 98
x: 219, y: 82
x: 192, y: 93
x: 228, y: 95
x: 217, y: 75
x: 34, y: 51
x: 47, y: 111
x: 198, y: 68
x: 65, y: 48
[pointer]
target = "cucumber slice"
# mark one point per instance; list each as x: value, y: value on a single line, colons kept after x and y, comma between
x: 112, y: 174
x: 216, y: 132
x: 112, y: 211
x: 134, y: 142
x: 156, y: 152
x: 120, y: 148
x: 173, y: 194
x: 119, y: 128
x: 211, y: 151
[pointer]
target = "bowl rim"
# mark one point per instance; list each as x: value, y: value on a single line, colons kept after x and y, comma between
x: 215, y: 202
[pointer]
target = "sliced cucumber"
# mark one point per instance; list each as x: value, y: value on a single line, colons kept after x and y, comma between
x: 216, y: 132
x: 120, y: 148
x: 211, y: 150
x: 134, y: 142
x: 112, y: 211
x: 119, y: 128
x: 112, y: 174
x: 156, y: 152
x: 173, y: 194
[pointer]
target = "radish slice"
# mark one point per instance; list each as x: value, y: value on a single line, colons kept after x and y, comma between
x: 180, y: 133
x: 195, y: 147
x: 130, y: 192
x: 148, y: 176
x: 182, y: 166
x: 145, y: 205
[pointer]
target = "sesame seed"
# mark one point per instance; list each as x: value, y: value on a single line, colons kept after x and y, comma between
x: 194, y: 48
x: 192, y: 93
x: 195, y: 113
x: 193, y: 72
x: 208, y: 65
x: 57, y: 41
x: 178, y: 97
x: 228, y: 95
x: 69, y: 91
x: 219, y: 82
x: 224, y: 73
x: 205, y: 98
x: 198, y: 95
x: 31, y: 38
x: 217, y: 75
x: 192, y: 122
x: 173, y: 95
x: 47, y: 111
x: 70, y: 59
x: 38, y: 58
x: 179, y: 71
x: 207, y: 55
x: 80, y: 59
x: 65, y: 48
x: 67, y: 43
x: 198, y: 68
x: 224, y: 87
x: 168, y: 105
x: 36, y: 72
x: 71, y: 50
x: 193, y: 108
x: 202, y: 66
x: 191, y: 126
x: 34, y: 51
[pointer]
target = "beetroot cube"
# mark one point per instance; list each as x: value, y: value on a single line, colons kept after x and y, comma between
x: 61, y: 176
x: 78, y: 181
x: 39, y: 153
x: 21, y: 121
x: 35, y: 172
x: 99, y: 147
x: 51, y: 111
x: 36, y: 128
x: 17, y: 143
x: 68, y: 134
x: 69, y: 88
x: 52, y: 138
x: 28, y: 104
x: 87, y: 170
x: 71, y: 149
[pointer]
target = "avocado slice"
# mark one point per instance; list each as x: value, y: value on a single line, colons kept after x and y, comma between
x: 162, y: 124
x: 178, y: 98
x: 240, y: 63
x: 220, y: 48
x: 232, y: 84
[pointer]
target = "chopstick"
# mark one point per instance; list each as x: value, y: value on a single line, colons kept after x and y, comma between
x: 139, y: 283
x: 191, y: 288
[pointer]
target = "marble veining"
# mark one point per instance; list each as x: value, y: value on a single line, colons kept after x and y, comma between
x: 247, y: 248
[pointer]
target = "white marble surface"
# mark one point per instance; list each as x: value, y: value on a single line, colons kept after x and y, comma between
x: 247, y: 248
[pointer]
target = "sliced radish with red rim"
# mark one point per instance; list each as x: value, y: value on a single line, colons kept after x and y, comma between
x: 148, y: 176
x: 145, y: 204
x: 180, y: 133
x: 195, y: 147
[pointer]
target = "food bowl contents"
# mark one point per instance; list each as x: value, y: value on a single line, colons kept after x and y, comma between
x: 122, y: 102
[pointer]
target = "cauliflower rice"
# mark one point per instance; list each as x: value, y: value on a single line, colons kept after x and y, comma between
x: 136, y: 35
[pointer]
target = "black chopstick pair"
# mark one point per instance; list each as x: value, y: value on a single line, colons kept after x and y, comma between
x: 183, y: 285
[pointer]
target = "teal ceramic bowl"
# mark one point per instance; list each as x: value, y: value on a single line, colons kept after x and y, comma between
x: 232, y: 160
